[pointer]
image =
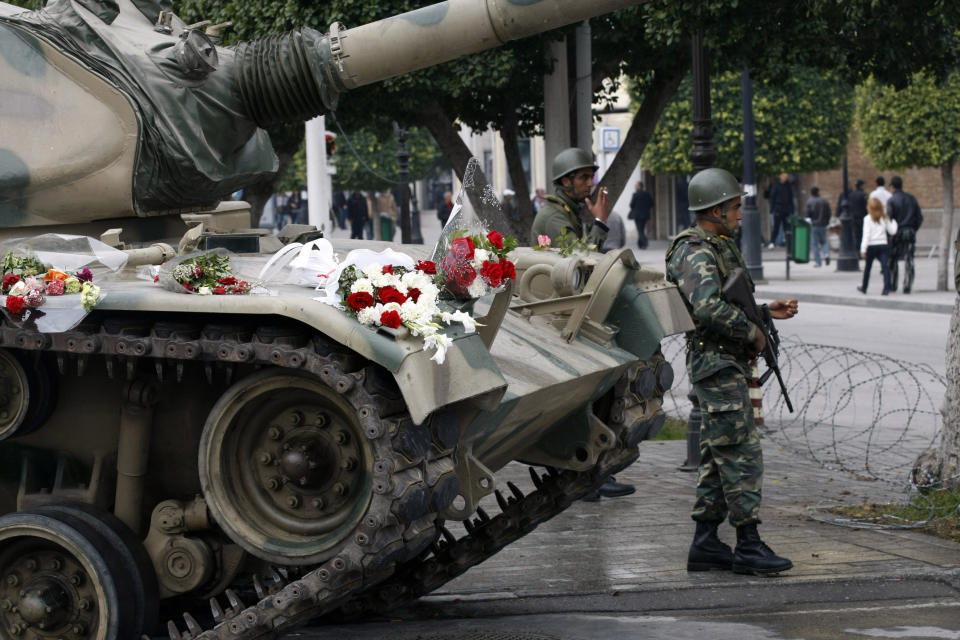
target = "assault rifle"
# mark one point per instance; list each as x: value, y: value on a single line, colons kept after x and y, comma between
x: 736, y: 290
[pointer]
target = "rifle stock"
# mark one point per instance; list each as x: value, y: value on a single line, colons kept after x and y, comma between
x: 737, y: 291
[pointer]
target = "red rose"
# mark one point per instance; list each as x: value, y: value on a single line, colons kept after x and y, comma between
x: 492, y: 273
x: 448, y: 265
x: 9, y: 280
x: 229, y: 280
x: 359, y: 300
x: 198, y: 271
x: 389, y: 294
x: 427, y: 267
x: 413, y: 293
x: 508, y: 269
x: 462, y: 249
x: 464, y: 276
x: 14, y: 304
x: 390, y: 319
x: 387, y: 269
x: 186, y: 285
x: 219, y: 291
x: 495, y: 239
x: 237, y: 290
x: 156, y: 278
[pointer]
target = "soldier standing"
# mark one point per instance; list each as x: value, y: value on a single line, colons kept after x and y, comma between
x: 573, y: 171
x: 719, y: 351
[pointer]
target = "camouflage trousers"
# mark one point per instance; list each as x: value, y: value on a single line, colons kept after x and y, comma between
x: 731, y: 460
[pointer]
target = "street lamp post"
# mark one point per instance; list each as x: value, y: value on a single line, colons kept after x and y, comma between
x: 403, y: 171
x: 750, y: 229
x: 848, y: 260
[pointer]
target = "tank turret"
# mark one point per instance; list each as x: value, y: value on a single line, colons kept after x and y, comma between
x: 116, y: 109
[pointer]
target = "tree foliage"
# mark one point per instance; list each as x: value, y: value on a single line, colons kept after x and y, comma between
x: 801, y: 123
x: 916, y: 126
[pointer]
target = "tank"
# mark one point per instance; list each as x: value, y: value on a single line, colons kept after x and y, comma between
x: 249, y: 463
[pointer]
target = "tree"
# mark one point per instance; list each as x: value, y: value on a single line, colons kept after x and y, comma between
x: 919, y: 126
x: 802, y: 123
x: 916, y: 126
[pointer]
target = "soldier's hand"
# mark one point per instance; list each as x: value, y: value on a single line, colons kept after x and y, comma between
x: 783, y: 309
x: 759, y: 342
x: 600, y: 209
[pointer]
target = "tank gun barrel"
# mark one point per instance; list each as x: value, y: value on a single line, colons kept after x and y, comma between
x: 300, y: 75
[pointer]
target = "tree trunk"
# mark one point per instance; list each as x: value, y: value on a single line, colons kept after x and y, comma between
x: 639, y: 134
x: 942, y: 465
x: 438, y: 123
x: 520, y: 228
x: 946, y: 226
x: 256, y: 195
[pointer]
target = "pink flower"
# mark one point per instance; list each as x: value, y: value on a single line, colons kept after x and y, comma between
x: 543, y: 241
x: 55, y: 288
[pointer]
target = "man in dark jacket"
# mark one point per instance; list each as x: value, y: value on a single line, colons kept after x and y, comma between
x: 857, y: 203
x: 903, y: 208
x: 357, y: 209
x: 641, y: 204
x: 781, y: 206
x: 818, y: 210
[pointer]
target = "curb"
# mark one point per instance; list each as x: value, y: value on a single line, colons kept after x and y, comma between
x: 850, y: 301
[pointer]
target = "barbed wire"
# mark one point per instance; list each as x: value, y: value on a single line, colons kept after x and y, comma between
x: 864, y: 413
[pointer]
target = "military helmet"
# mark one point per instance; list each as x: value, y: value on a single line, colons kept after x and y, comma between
x: 570, y: 160
x: 711, y: 187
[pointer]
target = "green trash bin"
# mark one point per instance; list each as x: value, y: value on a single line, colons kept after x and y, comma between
x: 386, y: 227
x: 799, y: 245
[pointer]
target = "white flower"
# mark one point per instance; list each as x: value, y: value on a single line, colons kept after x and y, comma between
x: 441, y: 343
x: 204, y: 291
x: 413, y: 312
x: 362, y: 284
x: 386, y: 280
x: 372, y: 270
x: 183, y: 272
x: 464, y: 318
x: 368, y: 316
x: 416, y: 280
x: 477, y: 288
x: 18, y: 289
x: 479, y: 257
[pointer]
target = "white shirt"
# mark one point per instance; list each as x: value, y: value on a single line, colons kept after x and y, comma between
x: 881, y: 194
x: 875, y: 233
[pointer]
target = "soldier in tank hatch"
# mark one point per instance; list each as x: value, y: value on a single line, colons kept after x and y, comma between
x: 573, y: 171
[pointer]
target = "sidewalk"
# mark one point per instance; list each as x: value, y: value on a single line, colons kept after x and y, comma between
x: 826, y: 285
x: 635, y: 547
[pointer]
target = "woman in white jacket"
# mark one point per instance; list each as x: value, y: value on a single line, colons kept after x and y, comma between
x: 876, y: 225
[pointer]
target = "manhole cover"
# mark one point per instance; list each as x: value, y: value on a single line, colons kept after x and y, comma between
x: 471, y: 635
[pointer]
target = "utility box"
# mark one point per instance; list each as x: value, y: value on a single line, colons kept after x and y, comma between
x: 798, y: 248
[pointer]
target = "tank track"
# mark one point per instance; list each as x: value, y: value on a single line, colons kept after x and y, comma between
x: 362, y: 577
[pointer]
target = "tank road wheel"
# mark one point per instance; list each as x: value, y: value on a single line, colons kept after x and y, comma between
x: 288, y: 465
x: 59, y: 578
x: 14, y: 394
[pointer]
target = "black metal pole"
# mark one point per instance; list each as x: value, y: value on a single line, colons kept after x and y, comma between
x: 750, y: 238
x: 417, y: 236
x: 703, y: 157
x: 403, y: 170
x: 848, y: 260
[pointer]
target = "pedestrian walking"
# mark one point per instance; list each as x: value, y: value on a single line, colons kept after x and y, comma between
x: 818, y: 211
x: 511, y: 207
x: 358, y: 212
x: 719, y: 351
x: 445, y: 208
x: 903, y: 208
x: 857, y: 203
x: 877, y: 225
x: 641, y: 206
x: 881, y: 193
x: 780, y: 194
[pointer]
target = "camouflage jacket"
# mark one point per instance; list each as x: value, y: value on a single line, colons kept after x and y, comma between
x: 698, y: 262
x: 559, y: 213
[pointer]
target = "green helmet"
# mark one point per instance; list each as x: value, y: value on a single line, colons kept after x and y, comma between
x: 570, y: 160
x: 711, y: 187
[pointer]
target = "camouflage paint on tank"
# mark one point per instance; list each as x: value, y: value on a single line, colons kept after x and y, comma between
x: 83, y: 176
x: 428, y: 16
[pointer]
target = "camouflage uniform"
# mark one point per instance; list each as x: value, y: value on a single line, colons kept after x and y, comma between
x: 718, y: 362
x: 559, y: 213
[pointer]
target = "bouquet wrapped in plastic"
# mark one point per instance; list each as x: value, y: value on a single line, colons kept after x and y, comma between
x: 52, y: 281
x: 471, y: 254
x: 204, y: 273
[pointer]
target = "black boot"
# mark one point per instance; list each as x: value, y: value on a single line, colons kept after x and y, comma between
x: 752, y: 556
x: 613, y: 489
x: 707, y: 551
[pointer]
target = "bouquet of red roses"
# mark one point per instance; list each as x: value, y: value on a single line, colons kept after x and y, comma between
x: 475, y: 265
